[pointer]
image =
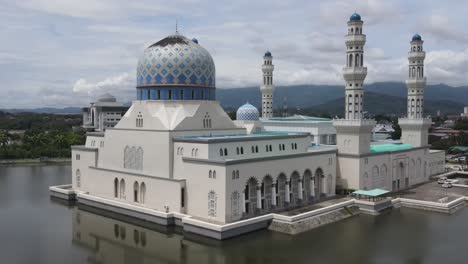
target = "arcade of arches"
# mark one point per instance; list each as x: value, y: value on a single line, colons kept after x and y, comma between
x: 281, y: 192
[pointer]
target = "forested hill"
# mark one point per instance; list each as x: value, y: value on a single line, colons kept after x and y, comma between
x: 442, y: 97
x: 304, y: 96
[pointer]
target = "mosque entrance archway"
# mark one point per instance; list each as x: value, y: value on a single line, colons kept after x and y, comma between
x: 294, y: 187
x: 250, y: 193
x: 318, y: 179
x: 280, y: 191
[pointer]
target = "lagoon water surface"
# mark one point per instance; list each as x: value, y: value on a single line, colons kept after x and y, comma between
x: 37, y: 229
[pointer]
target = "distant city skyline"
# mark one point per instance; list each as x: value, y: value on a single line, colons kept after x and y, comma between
x: 66, y: 53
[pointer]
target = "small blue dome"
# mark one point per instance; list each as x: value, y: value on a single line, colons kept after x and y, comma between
x: 416, y: 37
x: 355, y: 17
x: 195, y: 40
x: 247, y: 112
x: 268, y: 54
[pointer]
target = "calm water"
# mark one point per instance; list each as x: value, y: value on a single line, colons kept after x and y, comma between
x: 36, y: 229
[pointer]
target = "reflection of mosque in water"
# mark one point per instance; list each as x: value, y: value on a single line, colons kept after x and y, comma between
x: 116, y: 241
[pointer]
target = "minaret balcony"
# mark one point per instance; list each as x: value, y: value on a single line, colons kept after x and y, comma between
x: 267, y: 67
x: 354, y: 73
x: 355, y: 39
x: 416, y: 83
x: 416, y: 55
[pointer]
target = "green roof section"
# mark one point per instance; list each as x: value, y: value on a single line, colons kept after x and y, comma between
x: 459, y: 148
x: 389, y: 147
x: 372, y: 193
x: 302, y: 118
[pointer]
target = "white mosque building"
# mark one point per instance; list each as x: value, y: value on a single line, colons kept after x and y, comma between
x: 176, y: 153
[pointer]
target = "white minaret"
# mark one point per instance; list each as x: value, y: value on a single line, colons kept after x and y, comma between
x: 354, y: 73
x: 354, y: 132
x: 415, y: 127
x: 267, y: 88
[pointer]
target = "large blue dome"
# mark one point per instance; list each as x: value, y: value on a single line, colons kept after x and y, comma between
x: 355, y: 17
x: 176, y: 68
x: 247, y: 112
x: 416, y: 37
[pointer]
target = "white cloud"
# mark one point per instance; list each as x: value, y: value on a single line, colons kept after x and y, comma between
x: 56, y: 50
x: 441, y: 28
x: 119, y: 83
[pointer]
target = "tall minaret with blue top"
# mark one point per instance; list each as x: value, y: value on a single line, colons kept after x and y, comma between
x: 354, y: 132
x: 267, y: 88
x: 414, y: 128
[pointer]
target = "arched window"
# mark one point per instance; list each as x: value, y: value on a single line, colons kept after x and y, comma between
x: 181, y: 95
x: 78, y: 178
x: 122, y: 189
x: 169, y: 95
x: 419, y: 72
x: 225, y: 152
x: 214, y: 174
x: 237, y: 150
x: 413, y: 72
x: 210, y: 174
x: 256, y: 149
x: 271, y: 148
x: 362, y: 59
x: 135, y: 191
x: 148, y: 94
x: 212, y: 204
x: 242, y: 150
x: 356, y: 63
x: 116, y: 188
x: 350, y: 60
x: 233, y: 175
x: 136, y: 236
x: 126, y: 157
x: 139, y: 159
x: 193, y: 94
x: 221, y: 152
x: 253, y: 149
x: 142, y: 192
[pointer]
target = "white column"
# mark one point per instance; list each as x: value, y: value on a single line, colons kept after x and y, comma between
x: 243, y: 202
x: 273, y: 194
x: 287, y: 192
x: 259, y: 198
x: 300, y: 196
x: 312, y: 187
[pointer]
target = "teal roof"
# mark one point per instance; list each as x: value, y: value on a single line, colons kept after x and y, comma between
x: 301, y: 118
x: 373, y: 193
x: 389, y: 147
x: 459, y: 148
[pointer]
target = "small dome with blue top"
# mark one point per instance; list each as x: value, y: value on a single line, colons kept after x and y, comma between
x: 247, y: 112
x: 416, y: 37
x: 355, y: 17
x: 267, y: 53
x: 195, y: 40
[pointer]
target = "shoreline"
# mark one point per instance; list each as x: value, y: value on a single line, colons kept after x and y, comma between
x: 33, y: 162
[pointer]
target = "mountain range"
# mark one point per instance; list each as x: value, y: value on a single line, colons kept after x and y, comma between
x: 381, y: 97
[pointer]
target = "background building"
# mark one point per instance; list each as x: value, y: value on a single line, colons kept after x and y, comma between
x: 103, y: 114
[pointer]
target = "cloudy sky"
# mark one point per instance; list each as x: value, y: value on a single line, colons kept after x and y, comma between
x: 65, y: 53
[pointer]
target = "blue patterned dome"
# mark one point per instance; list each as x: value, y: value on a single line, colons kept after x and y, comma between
x: 416, y: 37
x: 355, y: 17
x: 176, y: 68
x: 268, y: 54
x: 247, y: 112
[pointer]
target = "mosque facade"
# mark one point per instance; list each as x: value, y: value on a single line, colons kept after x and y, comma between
x: 177, y: 152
